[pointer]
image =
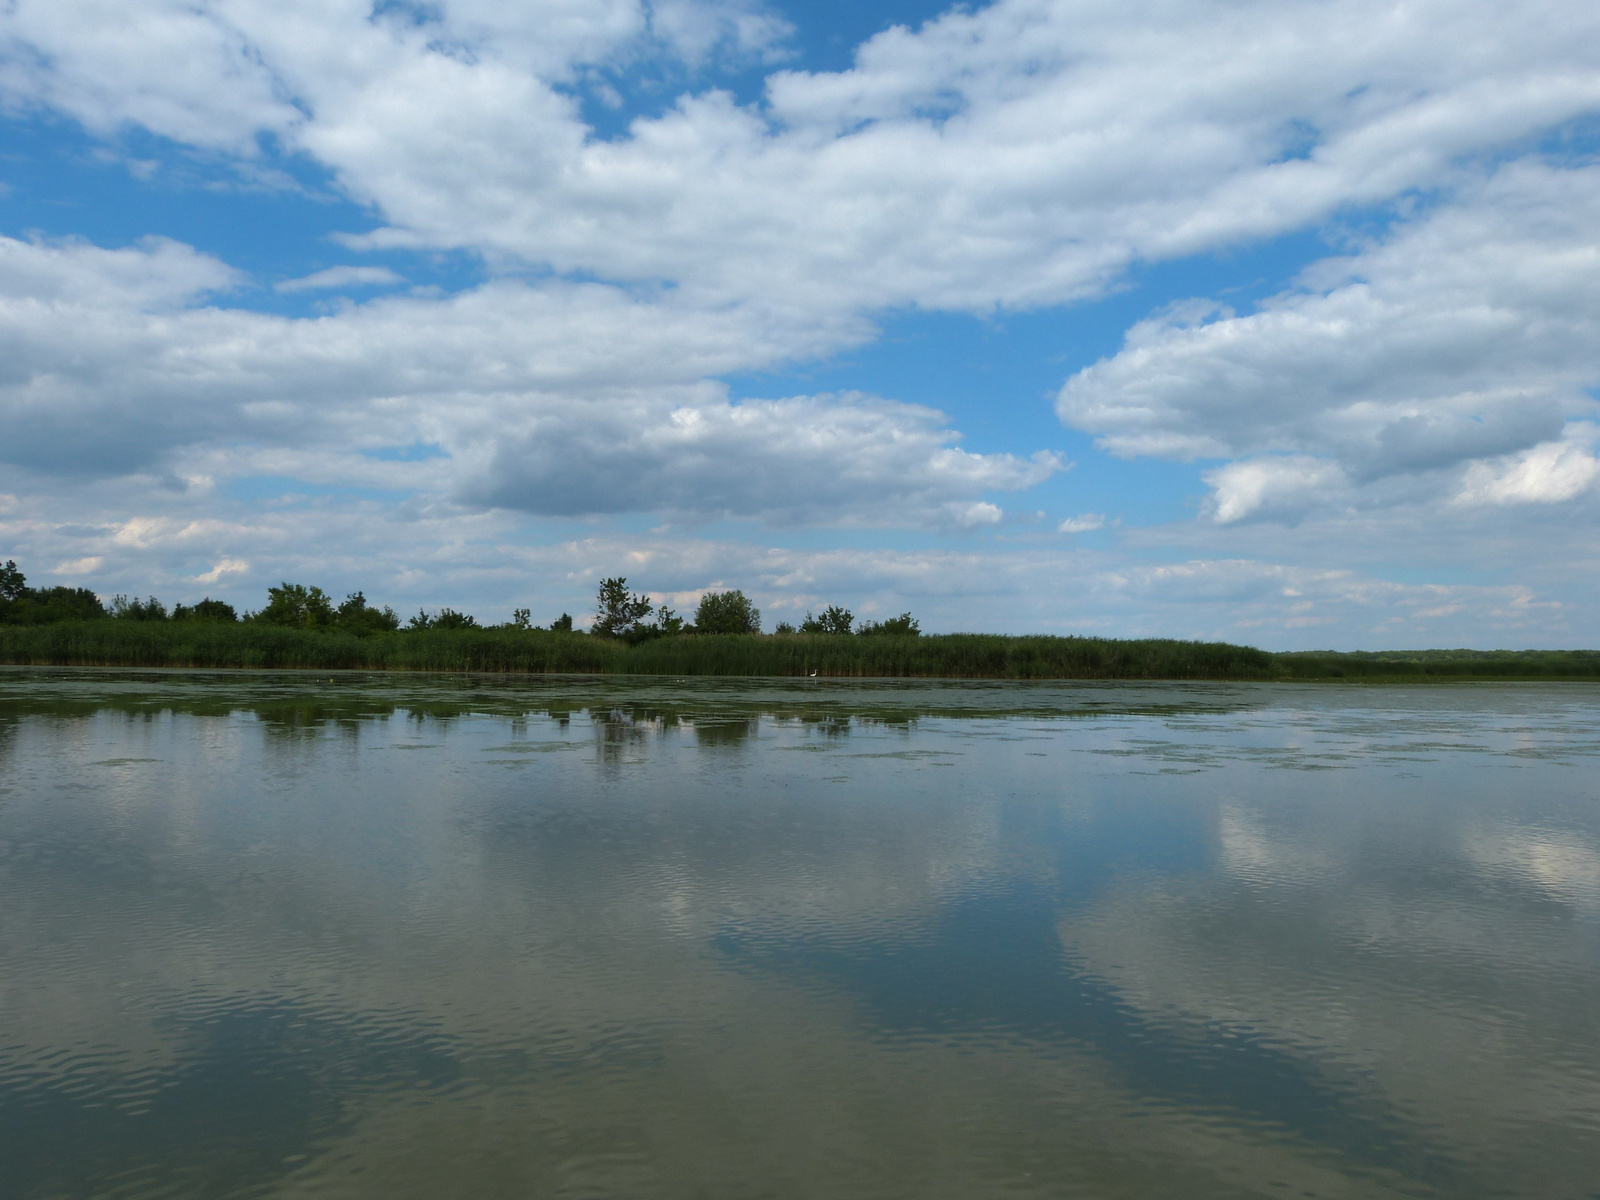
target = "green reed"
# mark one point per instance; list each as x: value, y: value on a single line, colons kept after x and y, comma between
x: 197, y: 644
x: 1439, y: 664
x: 115, y: 643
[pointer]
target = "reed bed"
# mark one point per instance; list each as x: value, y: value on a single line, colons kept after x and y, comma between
x: 121, y: 643
x: 1439, y: 664
x: 185, y: 644
x: 948, y: 656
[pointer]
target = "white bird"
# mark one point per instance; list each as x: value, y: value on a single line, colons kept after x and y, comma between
x: 813, y: 675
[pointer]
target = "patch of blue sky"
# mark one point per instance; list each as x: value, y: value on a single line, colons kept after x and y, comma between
x: 276, y: 217
x: 829, y: 32
x: 407, y: 12
x: 997, y: 375
x: 1573, y: 143
x: 612, y: 96
x: 826, y: 35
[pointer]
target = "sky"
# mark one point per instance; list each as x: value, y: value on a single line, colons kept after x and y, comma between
x: 1274, y: 321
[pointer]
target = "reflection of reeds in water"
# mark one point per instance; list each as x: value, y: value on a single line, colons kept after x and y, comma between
x: 949, y: 656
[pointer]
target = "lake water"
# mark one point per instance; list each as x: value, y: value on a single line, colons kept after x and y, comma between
x: 291, y: 935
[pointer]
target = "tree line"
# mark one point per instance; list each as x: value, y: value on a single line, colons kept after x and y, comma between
x: 293, y: 605
x: 620, y: 614
x: 630, y: 616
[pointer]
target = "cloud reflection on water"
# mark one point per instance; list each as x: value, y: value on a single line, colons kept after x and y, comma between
x: 760, y: 939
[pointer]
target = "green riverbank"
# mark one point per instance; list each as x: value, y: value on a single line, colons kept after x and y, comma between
x: 121, y: 643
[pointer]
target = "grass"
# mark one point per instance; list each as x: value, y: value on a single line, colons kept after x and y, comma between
x: 121, y: 643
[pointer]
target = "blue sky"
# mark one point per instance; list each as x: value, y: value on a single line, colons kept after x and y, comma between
x: 1272, y: 322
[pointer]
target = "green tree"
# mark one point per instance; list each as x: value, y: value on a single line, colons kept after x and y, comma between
x: 23, y: 605
x: 356, y: 616
x: 727, y: 612
x: 666, y: 624
x: 445, y: 618
x: 298, y: 605
x: 522, y: 618
x: 562, y: 624
x: 215, y: 611
x: 617, y: 611
x: 905, y: 625
x: 834, y: 619
x: 65, y: 604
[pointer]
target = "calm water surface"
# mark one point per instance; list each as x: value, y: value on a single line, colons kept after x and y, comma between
x: 290, y: 935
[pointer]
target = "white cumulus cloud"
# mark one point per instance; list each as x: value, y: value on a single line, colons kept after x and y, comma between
x: 1285, y: 487
x: 557, y: 399
x: 1544, y: 474
x: 1021, y: 154
x: 1468, y: 335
